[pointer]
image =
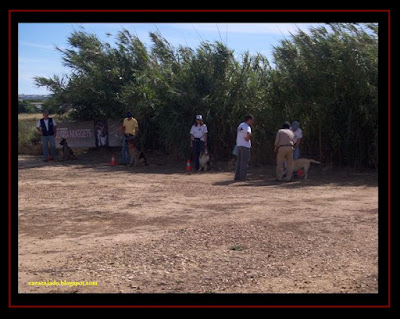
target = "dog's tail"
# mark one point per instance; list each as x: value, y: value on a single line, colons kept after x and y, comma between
x: 315, y: 162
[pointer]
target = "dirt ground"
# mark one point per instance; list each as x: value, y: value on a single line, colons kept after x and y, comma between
x: 96, y: 228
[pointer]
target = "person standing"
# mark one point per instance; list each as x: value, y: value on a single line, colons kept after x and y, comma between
x: 298, y: 135
x: 284, y: 143
x: 198, y: 139
x: 47, y: 127
x: 130, y: 128
x: 243, y: 145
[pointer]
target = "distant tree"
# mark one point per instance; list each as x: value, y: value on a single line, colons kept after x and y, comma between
x: 27, y: 107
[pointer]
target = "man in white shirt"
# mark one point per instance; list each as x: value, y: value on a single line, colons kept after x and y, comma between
x: 47, y: 128
x: 298, y: 135
x: 243, y: 145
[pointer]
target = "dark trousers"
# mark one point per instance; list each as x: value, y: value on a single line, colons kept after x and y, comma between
x: 242, y: 162
x: 198, y: 147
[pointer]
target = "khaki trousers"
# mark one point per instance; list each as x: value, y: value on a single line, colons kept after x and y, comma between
x: 285, y: 153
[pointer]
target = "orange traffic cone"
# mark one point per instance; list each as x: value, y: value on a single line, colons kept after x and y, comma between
x: 188, y: 166
x: 113, y: 162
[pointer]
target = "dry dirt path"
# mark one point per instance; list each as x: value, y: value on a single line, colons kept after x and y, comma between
x: 157, y: 229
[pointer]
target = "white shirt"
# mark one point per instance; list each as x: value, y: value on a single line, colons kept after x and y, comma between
x: 242, y: 131
x: 46, y: 123
x: 297, y: 134
x: 199, y: 131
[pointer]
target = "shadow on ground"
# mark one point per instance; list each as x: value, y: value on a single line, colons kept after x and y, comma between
x: 258, y: 176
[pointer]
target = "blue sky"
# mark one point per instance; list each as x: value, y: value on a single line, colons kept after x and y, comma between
x: 37, y: 54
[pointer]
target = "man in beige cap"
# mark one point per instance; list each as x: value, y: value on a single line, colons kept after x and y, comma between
x: 47, y: 127
x: 284, y: 143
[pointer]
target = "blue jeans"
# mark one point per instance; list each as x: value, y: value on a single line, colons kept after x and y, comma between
x: 296, y: 153
x: 46, y: 140
x: 126, y: 158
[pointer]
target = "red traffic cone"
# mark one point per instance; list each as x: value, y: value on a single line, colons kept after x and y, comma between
x: 188, y: 166
x: 113, y: 162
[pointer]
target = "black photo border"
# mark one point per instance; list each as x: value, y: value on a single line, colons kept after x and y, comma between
x: 380, y: 300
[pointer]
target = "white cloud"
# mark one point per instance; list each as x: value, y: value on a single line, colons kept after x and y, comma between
x: 37, y: 45
x: 247, y: 28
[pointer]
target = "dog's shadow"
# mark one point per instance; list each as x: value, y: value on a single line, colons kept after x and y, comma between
x: 225, y: 183
x: 263, y: 182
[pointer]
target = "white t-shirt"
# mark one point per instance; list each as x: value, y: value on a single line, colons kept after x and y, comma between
x: 297, y: 134
x: 199, y: 131
x: 242, y: 131
x: 46, y: 123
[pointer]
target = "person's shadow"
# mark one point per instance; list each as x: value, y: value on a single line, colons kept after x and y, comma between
x: 256, y: 180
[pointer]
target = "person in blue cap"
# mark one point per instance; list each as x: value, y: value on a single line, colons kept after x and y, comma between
x: 129, y: 129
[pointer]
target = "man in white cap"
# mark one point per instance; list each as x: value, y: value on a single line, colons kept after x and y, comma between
x: 198, y: 139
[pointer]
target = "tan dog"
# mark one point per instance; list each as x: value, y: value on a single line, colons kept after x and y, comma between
x: 204, y: 161
x: 303, y: 163
x: 136, y: 154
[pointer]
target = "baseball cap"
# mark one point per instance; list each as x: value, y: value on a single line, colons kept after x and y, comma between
x: 199, y: 117
x: 295, y: 125
x: 129, y: 114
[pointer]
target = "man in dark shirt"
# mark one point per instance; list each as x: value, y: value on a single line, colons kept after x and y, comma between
x: 47, y: 127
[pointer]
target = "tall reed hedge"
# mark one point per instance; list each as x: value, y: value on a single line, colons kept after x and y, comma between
x: 325, y: 78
